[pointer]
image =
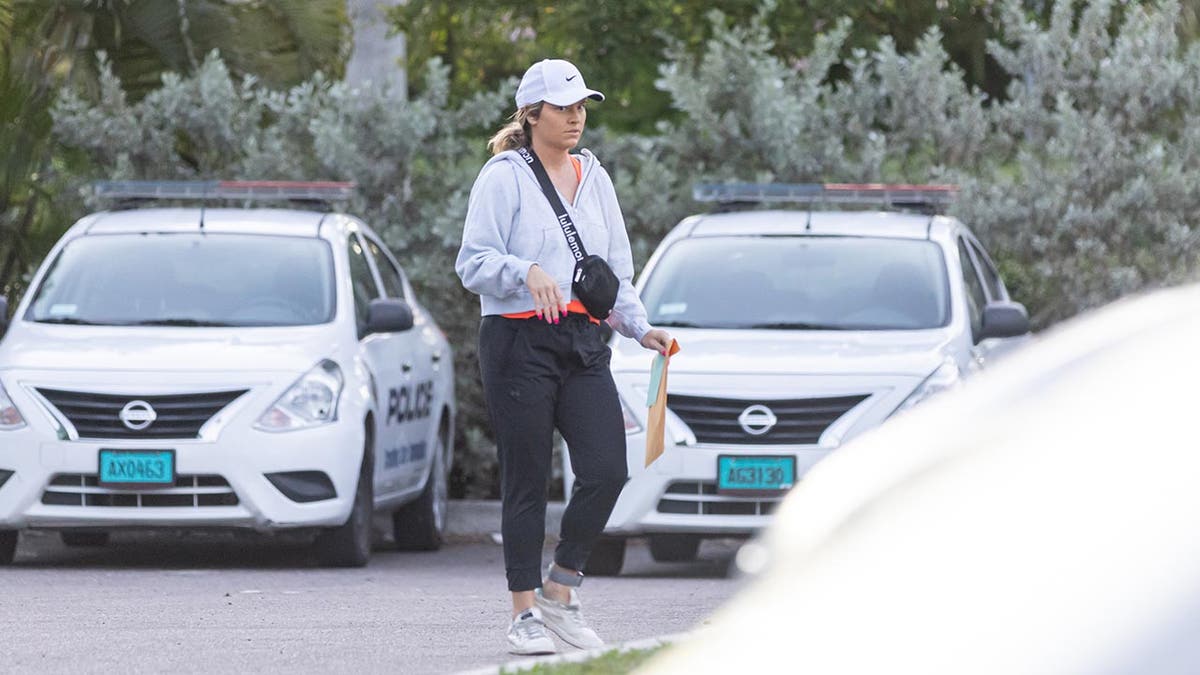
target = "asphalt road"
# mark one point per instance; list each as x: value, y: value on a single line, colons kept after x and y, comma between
x: 225, y: 603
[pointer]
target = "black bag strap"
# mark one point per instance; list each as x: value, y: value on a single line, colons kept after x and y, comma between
x: 564, y: 219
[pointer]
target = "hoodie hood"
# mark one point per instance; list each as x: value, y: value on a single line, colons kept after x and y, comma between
x: 588, y: 163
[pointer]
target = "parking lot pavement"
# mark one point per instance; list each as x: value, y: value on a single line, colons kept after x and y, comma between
x: 246, y: 603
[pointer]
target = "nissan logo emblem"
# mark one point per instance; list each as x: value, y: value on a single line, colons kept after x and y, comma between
x: 138, y: 415
x: 757, y: 420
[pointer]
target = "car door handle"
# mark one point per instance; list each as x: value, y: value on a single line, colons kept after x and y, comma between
x: 406, y: 367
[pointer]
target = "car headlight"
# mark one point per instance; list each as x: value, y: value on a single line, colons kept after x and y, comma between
x: 10, y: 417
x: 310, y: 402
x: 946, y: 376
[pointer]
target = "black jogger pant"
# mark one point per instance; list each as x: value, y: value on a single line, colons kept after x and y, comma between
x: 538, y: 376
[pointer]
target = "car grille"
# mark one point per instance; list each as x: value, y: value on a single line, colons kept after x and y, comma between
x: 177, y: 416
x: 800, y: 421
x: 75, y: 489
x: 692, y: 498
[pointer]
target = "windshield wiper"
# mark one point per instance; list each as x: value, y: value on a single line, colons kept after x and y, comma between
x: 70, y: 320
x: 795, y: 325
x: 181, y: 322
x: 676, y: 324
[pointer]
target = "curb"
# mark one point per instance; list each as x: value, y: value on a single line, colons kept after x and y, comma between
x: 530, y: 663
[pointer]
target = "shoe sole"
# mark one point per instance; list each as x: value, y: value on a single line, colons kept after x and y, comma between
x: 551, y: 648
x: 570, y: 641
x: 535, y: 652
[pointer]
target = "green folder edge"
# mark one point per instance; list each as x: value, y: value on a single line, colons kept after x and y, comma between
x: 656, y: 374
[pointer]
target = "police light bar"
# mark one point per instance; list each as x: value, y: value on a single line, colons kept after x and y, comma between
x: 826, y: 193
x: 286, y: 190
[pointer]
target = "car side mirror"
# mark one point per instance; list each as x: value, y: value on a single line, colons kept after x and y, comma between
x: 1004, y: 320
x: 389, y: 316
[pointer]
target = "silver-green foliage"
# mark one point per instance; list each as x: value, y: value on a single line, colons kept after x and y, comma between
x: 1090, y: 195
x: 1078, y: 180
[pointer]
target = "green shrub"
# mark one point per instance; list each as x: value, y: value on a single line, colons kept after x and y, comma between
x: 1078, y: 180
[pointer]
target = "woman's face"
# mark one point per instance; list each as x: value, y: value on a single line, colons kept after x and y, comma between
x: 560, y: 126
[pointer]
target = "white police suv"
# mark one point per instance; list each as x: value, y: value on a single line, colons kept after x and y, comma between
x: 800, y: 329
x: 224, y: 367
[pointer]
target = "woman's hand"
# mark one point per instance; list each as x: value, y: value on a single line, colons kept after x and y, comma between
x: 657, y: 339
x: 548, y: 301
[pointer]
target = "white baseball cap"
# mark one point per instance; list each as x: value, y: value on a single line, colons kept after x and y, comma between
x: 554, y: 81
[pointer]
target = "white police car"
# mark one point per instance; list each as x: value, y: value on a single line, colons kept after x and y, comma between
x: 224, y: 367
x: 800, y: 330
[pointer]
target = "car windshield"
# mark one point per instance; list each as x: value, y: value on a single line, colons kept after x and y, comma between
x: 188, y: 280
x: 799, y: 283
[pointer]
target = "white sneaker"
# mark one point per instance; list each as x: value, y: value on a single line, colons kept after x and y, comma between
x: 527, y: 634
x: 567, y: 621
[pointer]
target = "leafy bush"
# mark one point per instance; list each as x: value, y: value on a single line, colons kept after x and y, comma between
x: 1088, y: 193
x: 1078, y: 180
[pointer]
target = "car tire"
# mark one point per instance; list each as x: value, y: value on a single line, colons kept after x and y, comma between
x: 420, y: 525
x: 349, y: 545
x: 607, y: 558
x: 79, y: 538
x: 8, y: 546
x: 674, y: 547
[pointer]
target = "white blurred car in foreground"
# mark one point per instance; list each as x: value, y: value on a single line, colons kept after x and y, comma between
x: 1043, y: 520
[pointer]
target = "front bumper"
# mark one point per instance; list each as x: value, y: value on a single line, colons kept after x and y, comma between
x: 221, y: 476
x: 677, y: 493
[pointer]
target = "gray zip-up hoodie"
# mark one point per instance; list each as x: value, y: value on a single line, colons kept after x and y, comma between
x: 511, y: 225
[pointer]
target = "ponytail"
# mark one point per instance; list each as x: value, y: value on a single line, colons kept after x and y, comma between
x: 517, y: 132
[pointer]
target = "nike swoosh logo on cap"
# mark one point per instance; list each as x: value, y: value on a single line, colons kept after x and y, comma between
x: 571, y: 78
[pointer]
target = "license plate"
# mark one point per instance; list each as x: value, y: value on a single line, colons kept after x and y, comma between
x: 737, y: 474
x: 137, y: 468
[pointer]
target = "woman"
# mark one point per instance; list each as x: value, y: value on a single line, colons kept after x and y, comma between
x: 542, y: 356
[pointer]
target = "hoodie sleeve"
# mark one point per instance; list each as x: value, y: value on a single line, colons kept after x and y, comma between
x: 629, y: 314
x: 484, y: 264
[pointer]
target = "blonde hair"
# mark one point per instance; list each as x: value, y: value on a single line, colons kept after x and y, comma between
x: 516, y: 133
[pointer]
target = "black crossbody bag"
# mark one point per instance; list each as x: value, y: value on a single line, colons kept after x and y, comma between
x: 594, y: 283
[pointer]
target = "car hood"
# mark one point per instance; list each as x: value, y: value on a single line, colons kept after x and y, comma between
x: 914, y: 353
x: 31, y: 346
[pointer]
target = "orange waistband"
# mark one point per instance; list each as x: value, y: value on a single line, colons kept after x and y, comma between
x: 573, y: 307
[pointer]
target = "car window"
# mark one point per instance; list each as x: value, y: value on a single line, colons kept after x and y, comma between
x: 365, y: 288
x: 991, y: 277
x: 800, y: 283
x: 975, y: 295
x: 188, y: 280
x: 392, y: 278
